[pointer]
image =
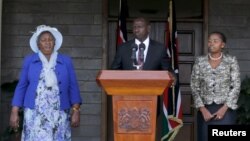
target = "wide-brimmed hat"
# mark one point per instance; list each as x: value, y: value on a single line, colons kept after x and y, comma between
x: 41, y: 28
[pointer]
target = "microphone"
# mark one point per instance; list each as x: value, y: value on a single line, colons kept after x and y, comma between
x: 134, y: 49
x: 141, y: 52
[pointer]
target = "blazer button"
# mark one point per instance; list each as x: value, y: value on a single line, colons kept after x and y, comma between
x: 60, y: 92
x: 59, y: 82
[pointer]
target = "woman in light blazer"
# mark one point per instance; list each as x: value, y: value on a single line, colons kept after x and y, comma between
x: 215, y: 84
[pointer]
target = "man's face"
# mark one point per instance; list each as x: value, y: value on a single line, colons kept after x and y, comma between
x: 140, y: 29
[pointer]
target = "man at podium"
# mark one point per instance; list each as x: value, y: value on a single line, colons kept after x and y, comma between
x: 142, y: 52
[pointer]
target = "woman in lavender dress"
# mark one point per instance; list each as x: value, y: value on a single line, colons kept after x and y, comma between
x: 47, y: 90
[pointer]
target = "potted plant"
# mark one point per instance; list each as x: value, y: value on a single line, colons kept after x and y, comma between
x: 243, y: 112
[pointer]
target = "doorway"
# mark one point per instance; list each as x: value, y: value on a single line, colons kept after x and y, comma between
x: 191, y: 37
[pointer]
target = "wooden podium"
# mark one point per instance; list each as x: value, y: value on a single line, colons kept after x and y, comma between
x: 134, y: 95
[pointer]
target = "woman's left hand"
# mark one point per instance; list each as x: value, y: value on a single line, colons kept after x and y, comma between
x: 221, y: 112
x: 75, y: 118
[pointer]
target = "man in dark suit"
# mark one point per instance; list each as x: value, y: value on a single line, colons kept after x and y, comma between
x: 155, y: 53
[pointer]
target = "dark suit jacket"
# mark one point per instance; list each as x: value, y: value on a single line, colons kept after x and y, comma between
x: 156, y: 58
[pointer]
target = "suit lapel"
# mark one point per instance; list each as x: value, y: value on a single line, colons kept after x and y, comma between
x: 149, y: 56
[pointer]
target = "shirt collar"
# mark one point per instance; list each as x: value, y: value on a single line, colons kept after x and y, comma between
x: 146, y: 42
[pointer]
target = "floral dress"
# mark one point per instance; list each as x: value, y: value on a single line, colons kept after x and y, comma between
x: 46, y: 122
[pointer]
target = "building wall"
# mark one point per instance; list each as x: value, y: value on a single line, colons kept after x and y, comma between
x: 232, y: 17
x: 80, y: 22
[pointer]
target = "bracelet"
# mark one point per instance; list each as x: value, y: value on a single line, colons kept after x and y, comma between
x: 76, y: 109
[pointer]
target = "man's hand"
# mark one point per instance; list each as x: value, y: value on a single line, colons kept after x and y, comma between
x: 173, y: 76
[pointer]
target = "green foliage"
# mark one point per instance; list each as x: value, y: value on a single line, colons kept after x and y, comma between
x: 243, y: 112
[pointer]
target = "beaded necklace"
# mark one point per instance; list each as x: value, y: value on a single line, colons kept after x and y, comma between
x: 212, y: 58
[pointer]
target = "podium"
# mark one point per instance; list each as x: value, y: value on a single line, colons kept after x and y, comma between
x: 134, y: 98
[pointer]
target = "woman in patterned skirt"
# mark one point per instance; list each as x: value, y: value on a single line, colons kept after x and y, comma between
x: 47, y: 90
